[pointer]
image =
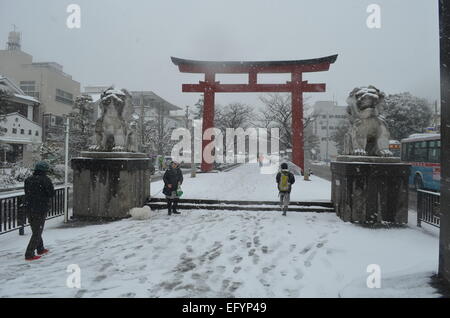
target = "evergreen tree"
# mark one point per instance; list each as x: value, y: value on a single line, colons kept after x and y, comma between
x: 82, y: 125
x: 406, y: 114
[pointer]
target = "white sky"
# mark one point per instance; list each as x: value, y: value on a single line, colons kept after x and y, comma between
x: 129, y: 43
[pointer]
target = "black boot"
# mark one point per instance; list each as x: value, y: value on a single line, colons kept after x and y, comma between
x: 175, y: 204
x: 169, y: 206
x: 284, y: 211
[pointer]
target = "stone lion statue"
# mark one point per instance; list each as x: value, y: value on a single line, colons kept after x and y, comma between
x: 368, y: 134
x: 115, y: 130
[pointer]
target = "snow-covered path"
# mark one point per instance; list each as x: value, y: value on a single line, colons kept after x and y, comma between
x: 248, y: 182
x: 223, y: 253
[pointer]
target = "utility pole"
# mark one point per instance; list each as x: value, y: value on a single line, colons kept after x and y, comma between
x: 66, y: 166
x: 142, y: 122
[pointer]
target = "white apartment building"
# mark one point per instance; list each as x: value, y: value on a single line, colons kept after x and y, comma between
x: 327, y: 115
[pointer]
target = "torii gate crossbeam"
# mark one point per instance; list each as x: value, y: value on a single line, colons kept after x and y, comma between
x: 296, y: 87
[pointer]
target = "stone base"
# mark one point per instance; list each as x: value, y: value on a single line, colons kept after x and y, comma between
x: 370, y: 192
x: 106, y: 185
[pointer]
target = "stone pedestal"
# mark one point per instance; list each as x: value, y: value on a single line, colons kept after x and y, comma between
x: 106, y: 185
x: 370, y: 189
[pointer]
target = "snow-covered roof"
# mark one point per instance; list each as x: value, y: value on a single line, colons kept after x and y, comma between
x: 28, y: 98
x: 12, y: 88
x: 418, y: 137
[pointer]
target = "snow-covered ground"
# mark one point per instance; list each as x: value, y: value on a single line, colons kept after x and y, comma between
x: 247, y: 182
x: 223, y: 253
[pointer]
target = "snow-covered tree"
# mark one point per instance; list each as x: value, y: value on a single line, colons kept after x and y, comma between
x: 82, y: 125
x: 52, y: 152
x: 198, y: 110
x: 5, y: 93
x: 406, y: 114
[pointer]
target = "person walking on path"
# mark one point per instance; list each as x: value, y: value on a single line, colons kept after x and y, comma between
x: 285, y: 180
x: 38, y: 191
x: 173, y: 178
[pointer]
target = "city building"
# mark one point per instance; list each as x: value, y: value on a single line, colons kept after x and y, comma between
x: 45, y: 81
x: 328, y: 115
x: 20, y: 132
x: 154, y: 107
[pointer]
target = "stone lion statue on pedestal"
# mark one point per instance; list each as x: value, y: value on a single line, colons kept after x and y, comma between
x: 368, y: 134
x: 114, y: 130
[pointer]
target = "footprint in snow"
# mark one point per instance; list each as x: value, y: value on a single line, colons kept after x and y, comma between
x: 306, y: 249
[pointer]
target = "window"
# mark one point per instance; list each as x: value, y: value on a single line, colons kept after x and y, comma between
x: 419, y: 153
x: 63, y: 97
x: 29, y: 88
x: 14, y: 131
x: 324, y: 127
x: 22, y: 131
x: 37, y: 133
x: 434, y: 151
x: 29, y: 132
x: 324, y: 139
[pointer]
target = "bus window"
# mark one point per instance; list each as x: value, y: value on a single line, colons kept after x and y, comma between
x: 434, y: 151
x: 410, y: 151
x: 420, y: 152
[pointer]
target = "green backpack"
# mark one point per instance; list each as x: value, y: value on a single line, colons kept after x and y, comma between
x: 283, y: 185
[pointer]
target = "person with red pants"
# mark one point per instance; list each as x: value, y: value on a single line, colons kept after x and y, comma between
x: 38, y: 191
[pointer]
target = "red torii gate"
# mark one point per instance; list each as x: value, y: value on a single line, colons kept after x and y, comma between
x: 296, y: 87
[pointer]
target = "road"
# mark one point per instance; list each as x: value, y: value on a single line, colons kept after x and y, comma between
x: 325, y: 173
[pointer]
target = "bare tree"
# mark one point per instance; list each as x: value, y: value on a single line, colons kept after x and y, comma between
x: 278, y: 114
x: 157, y: 134
x: 234, y: 115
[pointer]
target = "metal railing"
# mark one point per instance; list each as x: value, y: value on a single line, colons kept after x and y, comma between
x: 428, y: 209
x: 13, y: 214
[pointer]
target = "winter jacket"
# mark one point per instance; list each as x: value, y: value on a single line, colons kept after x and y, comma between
x: 172, y: 176
x: 38, y: 191
x: 291, y: 179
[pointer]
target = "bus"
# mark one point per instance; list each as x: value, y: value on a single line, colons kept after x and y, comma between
x: 423, y: 153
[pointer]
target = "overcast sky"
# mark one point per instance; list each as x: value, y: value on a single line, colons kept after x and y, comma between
x: 129, y: 43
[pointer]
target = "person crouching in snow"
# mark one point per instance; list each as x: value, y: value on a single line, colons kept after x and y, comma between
x: 285, y: 180
x: 38, y: 191
x: 173, y: 178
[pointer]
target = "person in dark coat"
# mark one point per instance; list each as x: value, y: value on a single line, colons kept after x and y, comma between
x: 38, y: 191
x: 173, y: 178
x: 285, y: 179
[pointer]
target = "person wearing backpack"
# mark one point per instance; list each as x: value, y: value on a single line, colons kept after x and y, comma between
x: 173, y: 178
x: 285, y: 180
x: 38, y: 191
